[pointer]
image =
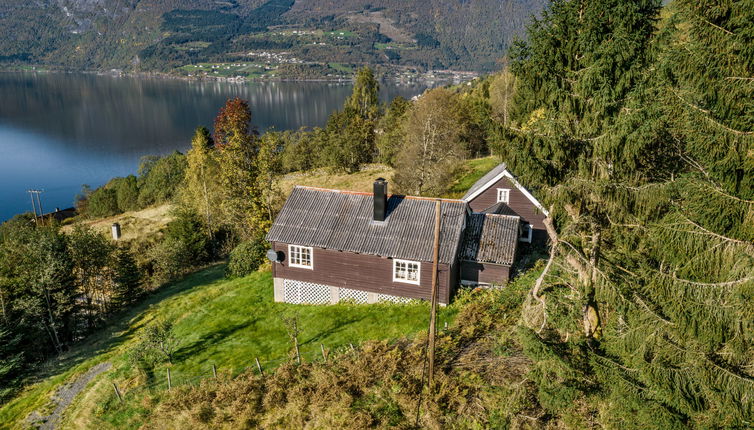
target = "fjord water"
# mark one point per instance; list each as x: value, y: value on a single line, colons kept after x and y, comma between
x: 60, y: 131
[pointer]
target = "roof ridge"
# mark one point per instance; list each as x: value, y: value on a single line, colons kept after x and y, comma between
x: 364, y: 193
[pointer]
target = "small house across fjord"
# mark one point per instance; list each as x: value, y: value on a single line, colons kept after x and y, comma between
x: 332, y: 245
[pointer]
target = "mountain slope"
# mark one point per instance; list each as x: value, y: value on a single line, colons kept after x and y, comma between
x: 166, y: 34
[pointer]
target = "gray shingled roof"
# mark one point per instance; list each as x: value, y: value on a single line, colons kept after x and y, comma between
x: 486, y: 178
x: 490, y: 238
x: 342, y: 220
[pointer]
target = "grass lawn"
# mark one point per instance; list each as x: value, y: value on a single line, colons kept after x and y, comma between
x: 471, y: 172
x: 217, y: 321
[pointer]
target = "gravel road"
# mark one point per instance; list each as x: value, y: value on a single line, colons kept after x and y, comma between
x: 63, y: 397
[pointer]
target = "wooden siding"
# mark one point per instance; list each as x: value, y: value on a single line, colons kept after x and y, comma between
x: 517, y: 202
x: 484, y: 273
x: 363, y: 272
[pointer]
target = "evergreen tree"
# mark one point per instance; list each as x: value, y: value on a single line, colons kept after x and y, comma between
x: 641, y: 153
x: 11, y: 360
x: 127, y: 287
x: 91, y: 254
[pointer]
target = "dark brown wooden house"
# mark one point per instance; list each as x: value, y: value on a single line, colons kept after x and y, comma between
x: 498, y: 192
x: 331, y: 245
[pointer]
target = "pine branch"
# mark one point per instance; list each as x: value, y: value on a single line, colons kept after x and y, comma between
x: 708, y: 117
x: 646, y: 308
x: 724, y: 30
x: 748, y: 245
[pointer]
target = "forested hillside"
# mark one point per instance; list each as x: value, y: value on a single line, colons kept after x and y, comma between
x: 632, y: 122
x: 164, y: 35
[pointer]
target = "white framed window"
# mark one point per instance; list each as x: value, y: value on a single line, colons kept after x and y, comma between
x: 526, y: 232
x: 300, y: 256
x: 406, y: 271
x: 503, y: 195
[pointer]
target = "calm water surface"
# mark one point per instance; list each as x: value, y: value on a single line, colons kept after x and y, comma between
x: 59, y: 131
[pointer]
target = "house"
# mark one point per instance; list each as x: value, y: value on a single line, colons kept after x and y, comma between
x: 332, y: 245
x: 499, y: 192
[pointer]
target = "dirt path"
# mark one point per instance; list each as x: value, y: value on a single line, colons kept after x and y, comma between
x: 63, y: 397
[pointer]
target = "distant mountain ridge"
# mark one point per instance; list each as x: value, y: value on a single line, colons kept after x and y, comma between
x: 163, y: 35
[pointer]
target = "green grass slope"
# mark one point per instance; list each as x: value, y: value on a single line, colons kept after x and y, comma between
x: 217, y: 321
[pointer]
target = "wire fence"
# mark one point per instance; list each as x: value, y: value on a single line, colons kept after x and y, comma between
x: 167, y: 379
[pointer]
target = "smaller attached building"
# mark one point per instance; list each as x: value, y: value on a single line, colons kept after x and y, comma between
x: 489, y: 248
x: 499, y: 192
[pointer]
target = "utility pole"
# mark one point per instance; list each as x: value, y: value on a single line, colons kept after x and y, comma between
x: 37, y: 204
x: 433, y: 308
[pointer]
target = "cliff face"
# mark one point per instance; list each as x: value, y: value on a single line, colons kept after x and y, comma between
x: 102, y: 34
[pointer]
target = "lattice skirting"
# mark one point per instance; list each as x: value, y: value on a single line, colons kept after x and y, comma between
x: 394, y: 299
x: 356, y: 296
x: 300, y: 292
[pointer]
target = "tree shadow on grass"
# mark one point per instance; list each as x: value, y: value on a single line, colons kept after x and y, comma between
x: 338, y: 326
x: 123, y: 325
x: 186, y: 352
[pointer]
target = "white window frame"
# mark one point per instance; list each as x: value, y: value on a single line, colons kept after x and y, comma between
x: 503, y: 192
x: 299, y: 250
x: 407, y: 262
x: 526, y: 239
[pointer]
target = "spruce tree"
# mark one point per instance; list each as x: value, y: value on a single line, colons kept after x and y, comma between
x: 127, y: 278
x: 640, y: 140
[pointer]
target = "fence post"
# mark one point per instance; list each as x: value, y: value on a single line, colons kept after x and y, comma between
x: 352, y: 348
x: 446, y: 325
x: 117, y: 392
x: 298, y: 353
x: 170, y: 384
x: 324, y: 355
x: 214, y: 371
x: 259, y: 366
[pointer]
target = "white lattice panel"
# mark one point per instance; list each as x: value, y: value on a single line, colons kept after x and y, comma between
x: 394, y: 299
x: 292, y: 291
x: 355, y: 296
x: 300, y: 292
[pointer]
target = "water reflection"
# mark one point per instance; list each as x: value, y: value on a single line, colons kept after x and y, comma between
x: 58, y: 131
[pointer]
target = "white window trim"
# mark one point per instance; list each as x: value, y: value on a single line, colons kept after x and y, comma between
x: 418, y: 271
x: 526, y: 239
x: 302, y: 266
x: 506, y: 192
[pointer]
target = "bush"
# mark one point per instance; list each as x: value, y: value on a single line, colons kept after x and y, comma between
x: 127, y: 192
x: 170, y: 260
x: 188, y: 228
x: 160, y: 178
x: 246, y: 258
x: 103, y: 202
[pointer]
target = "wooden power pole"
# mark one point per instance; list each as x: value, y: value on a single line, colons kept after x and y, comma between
x: 36, y: 205
x: 433, y: 307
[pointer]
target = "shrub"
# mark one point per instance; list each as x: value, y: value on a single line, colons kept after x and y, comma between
x: 159, y: 178
x: 247, y: 257
x: 170, y: 260
x: 127, y: 192
x: 188, y: 228
x: 103, y: 202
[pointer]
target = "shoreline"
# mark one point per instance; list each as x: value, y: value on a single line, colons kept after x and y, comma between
x: 468, y: 76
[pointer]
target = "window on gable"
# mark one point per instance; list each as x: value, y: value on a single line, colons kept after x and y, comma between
x: 526, y: 233
x: 503, y: 195
x: 406, y: 271
x: 300, y: 256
